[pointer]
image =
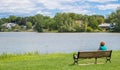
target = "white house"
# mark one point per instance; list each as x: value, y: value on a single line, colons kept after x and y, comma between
x: 106, y: 25
x: 8, y: 25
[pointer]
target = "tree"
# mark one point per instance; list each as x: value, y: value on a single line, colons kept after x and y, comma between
x: 85, y: 22
x: 64, y: 20
x: 65, y: 28
x: 39, y: 20
x: 23, y: 21
x: 29, y: 25
x: 47, y: 21
x: 38, y: 27
x: 4, y: 20
x: 100, y: 20
x: 0, y: 25
x: 18, y: 20
x: 93, y: 22
x: 114, y: 17
x: 31, y: 19
x: 58, y: 20
x: 78, y: 27
x: 12, y: 19
x: 73, y: 16
x: 52, y: 25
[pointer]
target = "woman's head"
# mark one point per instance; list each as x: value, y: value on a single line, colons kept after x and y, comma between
x: 102, y: 43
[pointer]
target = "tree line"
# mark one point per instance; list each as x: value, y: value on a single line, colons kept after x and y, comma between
x: 64, y: 22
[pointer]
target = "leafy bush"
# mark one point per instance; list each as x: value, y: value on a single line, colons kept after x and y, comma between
x: 66, y: 29
x: 89, y: 29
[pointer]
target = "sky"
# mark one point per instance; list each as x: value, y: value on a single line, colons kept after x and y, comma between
x: 51, y: 7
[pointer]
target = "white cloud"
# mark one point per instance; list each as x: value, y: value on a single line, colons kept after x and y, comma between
x: 64, y: 6
x: 76, y: 9
x: 16, y: 6
x: 50, y: 4
x: 39, y: 6
x: 45, y: 13
x: 102, y: 1
x: 50, y: 7
x: 108, y: 6
x: 55, y: 4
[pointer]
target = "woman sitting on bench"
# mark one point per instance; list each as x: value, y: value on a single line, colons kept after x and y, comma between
x: 102, y: 46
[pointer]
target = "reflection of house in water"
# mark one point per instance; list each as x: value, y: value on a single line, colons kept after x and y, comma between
x: 8, y: 25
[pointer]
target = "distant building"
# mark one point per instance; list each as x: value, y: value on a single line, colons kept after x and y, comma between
x: 107, y: 25
x: 78, y: 21
x: 8, y: 25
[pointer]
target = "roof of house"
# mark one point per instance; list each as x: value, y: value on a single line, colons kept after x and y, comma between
x: 105, y: 25
x: 8, y: 25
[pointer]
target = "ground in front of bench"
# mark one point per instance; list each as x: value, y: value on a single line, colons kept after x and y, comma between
x: 90, y: 64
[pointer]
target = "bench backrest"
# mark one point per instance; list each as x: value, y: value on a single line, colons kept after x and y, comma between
x: 94, y: 54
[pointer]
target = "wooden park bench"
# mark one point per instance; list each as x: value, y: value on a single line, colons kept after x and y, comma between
x: 92, y: 54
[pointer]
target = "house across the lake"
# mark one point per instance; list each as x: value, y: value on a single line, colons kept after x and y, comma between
x: 107, y: 25
x: 8, y: 25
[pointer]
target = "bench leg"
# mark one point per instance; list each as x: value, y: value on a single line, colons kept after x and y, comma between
x: 75, y: 59
x: 95, y: 60
x: 108, y: 59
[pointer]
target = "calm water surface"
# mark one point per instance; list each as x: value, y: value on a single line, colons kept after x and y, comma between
x: 23, y: 42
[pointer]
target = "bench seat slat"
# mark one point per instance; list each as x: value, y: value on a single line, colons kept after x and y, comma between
x: 93, y: 54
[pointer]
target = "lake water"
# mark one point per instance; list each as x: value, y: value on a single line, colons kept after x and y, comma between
x: 23, y: 42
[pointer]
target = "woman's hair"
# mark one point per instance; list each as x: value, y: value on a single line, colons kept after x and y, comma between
x: 102, y: 43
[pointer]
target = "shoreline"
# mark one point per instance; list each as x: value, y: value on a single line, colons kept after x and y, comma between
x: 58, y: 32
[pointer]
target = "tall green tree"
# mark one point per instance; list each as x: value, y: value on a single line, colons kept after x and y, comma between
x: 0, y: 25
x: 51, y: 25
x: 12, y: 19
x: 64, y: 21
x: 58, y: 20
x: 93, y: 23
x: 39, y: 20
x: 18, y: 20
x: 115, y: 18
x: 73, y: 16
x: 47, y: 21
x: 100, y: 20
x: 23, y: 21
x: 29, y: 25
x: 4, y: 20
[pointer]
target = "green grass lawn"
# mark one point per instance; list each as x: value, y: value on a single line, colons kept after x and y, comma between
x: 55, y: 62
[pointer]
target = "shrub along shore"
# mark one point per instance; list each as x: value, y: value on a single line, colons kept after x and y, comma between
x: 57, y: 61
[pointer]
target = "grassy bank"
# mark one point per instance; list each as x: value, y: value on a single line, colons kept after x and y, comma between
x: 55, y: 62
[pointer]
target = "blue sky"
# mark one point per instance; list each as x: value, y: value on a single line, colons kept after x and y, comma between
x: 51, y: 7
